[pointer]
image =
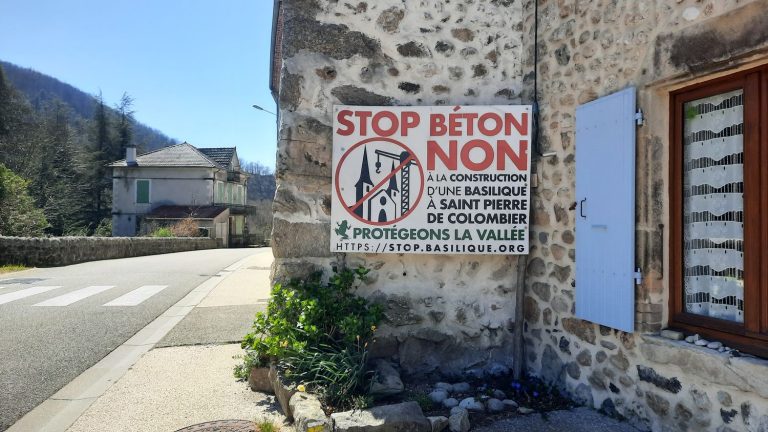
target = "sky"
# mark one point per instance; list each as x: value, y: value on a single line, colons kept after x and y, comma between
x: 193, y: 67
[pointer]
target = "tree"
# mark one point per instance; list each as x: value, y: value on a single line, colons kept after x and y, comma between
x: 95, y: 174
x: 17, y: 128
x: 18, y: 214
x: 125, y: 123
x: 57, y: 185
x: 254, y: 168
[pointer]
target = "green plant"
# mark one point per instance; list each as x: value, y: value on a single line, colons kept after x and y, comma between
x: 104, y: 229
x: 310, y: 313
x: 339, y: 376
x: 10, y: 268
x: 362, y: 402
x: 267, y: 426
x: 317, y: 333
x: 162, y: 232
x: 691, y: 112
x: 18, y: 214
x: 250, y: 361
x: 422, y: 399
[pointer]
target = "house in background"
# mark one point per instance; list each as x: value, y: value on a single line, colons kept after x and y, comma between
x: 163, y: 187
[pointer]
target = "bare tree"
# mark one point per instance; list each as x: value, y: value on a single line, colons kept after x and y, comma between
x: 255, y: 168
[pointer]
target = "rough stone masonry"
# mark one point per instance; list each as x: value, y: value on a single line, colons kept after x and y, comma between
x: 453, y: 314
x: 444, y: 315
x: 589, y: 49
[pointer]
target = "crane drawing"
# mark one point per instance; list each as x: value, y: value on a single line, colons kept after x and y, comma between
x: 405, y: 176
x: 384, y: 203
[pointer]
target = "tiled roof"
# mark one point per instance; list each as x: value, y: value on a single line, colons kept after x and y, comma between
x: 220, y: 155
x: 183, y: 212
x: 179, y: 155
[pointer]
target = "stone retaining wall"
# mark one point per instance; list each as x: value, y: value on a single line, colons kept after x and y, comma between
x: 60, y: 251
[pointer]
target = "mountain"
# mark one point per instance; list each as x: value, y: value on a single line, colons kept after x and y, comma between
x: 40, y: 89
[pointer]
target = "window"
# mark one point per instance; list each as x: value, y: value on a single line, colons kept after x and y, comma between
x: 719, y: 210
x: 219, y: 192
x: 142, y: 191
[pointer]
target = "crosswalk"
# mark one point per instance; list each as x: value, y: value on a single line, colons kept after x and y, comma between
x: 75, y: 296
x: 137, y: 296
x: 131, y: 298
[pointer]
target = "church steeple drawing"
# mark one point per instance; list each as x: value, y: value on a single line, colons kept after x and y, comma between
x: 386, y: 203
x: 364, y: 183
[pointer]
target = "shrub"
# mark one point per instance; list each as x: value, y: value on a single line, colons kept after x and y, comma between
x: 18, y: 214
x: 185, y: 228
x: 162, y: 232
x: 318, y: 334
x: 104, y: 229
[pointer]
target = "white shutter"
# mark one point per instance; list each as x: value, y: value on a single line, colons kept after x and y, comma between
x: 605, y: 218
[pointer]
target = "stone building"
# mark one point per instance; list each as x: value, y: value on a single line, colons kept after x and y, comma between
x: 179, y: 182
x: 698, y: 70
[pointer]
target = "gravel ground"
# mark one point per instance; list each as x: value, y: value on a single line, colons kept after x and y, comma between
x: 171, y: 388
x: 576, y: 420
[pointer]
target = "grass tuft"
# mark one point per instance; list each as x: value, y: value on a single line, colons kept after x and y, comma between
x: 268, y: 426
x: 10, y: 268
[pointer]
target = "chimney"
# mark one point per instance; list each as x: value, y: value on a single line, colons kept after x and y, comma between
x: 130, y: 156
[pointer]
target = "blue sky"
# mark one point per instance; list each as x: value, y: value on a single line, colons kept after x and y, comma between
x: 193, y: 67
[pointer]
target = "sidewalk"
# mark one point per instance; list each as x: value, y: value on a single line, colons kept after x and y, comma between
x: 187, y: 378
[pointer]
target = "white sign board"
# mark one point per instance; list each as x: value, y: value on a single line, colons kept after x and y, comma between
x: 431, y: 180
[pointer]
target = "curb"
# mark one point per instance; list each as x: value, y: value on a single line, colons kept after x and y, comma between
x: 62, y: 409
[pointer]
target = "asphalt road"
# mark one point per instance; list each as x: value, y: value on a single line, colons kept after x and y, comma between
x: 48, y: 336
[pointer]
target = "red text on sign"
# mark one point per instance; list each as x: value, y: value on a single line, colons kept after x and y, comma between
x: 502, y: 153
x: 382, y: 123
x: 486, y: 124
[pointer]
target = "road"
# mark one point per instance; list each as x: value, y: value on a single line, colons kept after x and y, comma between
x: 58, y: 322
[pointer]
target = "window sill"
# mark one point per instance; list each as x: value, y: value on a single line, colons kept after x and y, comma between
x: 747, y: 373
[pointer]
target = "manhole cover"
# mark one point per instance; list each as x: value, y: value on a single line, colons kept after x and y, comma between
x: 24, y: 281
x: 222, y: 426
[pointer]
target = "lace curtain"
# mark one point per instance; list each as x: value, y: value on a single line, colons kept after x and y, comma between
x: 713, y: 206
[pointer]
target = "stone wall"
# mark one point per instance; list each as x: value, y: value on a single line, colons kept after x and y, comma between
x: 445, y: 314
x: 589, y: 49
x: 61, y: 251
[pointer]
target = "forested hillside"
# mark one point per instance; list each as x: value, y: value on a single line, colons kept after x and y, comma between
x: 61, y: 156
x: 55, y: 144
x: 41, y: 90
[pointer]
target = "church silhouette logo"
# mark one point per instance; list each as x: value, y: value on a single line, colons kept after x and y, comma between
x: 381, y: 174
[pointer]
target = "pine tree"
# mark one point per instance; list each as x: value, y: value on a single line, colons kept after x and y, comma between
x: 18, y: 125
x: 124, y: 124
x: 95, y: 173
x: 58, y: 185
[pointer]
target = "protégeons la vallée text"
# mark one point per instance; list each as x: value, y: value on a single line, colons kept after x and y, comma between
x: 432, y: 180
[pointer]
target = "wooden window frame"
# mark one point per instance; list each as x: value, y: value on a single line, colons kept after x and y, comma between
x: 752, y: 335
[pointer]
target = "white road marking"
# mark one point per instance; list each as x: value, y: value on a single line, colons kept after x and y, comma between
x: 137, y: 296
x: 75, y: 296
x: 16, y: 295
